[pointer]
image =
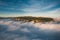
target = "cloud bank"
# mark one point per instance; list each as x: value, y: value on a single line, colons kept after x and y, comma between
x: 12, y: 30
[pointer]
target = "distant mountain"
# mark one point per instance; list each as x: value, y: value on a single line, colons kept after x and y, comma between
x: 29, y: 19
x: 35, y: 19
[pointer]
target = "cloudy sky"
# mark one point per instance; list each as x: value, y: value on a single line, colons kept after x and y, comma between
x: 45, y: 8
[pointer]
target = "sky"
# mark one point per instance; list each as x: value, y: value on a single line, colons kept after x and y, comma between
x: 43, y: 8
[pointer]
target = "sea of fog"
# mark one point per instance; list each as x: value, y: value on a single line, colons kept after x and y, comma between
x: 18, y: 30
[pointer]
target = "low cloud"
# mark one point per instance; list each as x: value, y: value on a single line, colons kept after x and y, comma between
x: 13, y: 30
